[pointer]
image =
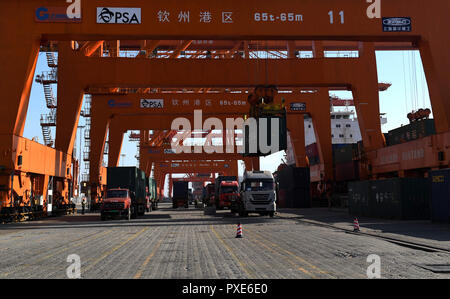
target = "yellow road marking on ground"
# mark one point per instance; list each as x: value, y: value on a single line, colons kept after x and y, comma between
x: 147, y: 260
x: 291, y: 254
x: 81, y: 242
x: 286, y: 258
x: 114, y: 249
x: 246, y: 270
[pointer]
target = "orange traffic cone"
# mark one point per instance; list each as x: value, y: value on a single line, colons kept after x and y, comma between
x: 239, y: 231
x: 356, y: 225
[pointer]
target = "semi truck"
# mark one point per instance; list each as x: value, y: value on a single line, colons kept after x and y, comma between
x: 258, y: 194
x: 217, y: 185
x: 228, y: 194
x: 126, y: 193
x: 180, y: 197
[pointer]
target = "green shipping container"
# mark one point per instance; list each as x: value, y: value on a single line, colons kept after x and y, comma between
x: 131, y: 178
x: 413, y: 131
x: 343, y: 153
x: 397, y: 198
x: 282, y: 136
x: 406, y: 198
x: 359, y: 197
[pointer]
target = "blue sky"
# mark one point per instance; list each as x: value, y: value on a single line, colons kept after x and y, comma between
x: 403, y: 69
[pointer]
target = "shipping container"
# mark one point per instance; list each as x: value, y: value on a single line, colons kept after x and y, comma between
x: 312, y: 152
x: 282, y: 136
x: 410, y: 132
x: 358, y: 150
x: 440, y: 195
x: 358, y: 198
x: 131, y: 178
x: 397, y: 198
x: 294, y: 188
x: 401, y: 198
x: 281, y: 198
x: 348, y: 171
x: 285, y: 178
x: 301, y: 197
x: 180, y: 197
x: 180, y: 189
x: 343, y: 153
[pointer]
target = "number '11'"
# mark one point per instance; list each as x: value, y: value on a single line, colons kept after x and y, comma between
x: 341, y: 13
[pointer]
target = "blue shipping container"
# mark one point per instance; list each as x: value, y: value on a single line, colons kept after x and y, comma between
x: 440, y: 195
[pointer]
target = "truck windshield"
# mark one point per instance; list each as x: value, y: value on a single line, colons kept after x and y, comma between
x: 117, y: 194
x: 259, y: 185
x: 228, y: 189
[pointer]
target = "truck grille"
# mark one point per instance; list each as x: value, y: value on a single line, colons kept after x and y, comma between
x: 114, y: 205
x: 261, y: 199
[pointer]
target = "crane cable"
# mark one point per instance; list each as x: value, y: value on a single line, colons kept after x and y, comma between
x: 404, y: 83
x: 424, y: 87
x: 414, y: 78
x: 413, y: 100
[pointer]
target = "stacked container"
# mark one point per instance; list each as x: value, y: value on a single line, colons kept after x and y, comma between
x: 301, y: 189
x: 312, y: 152
x: 294, y: 187
x: 346, y: 169
x: 267, y: 120
x: 440, y: 195
x: 359, y: 197
x: 396, y: 198
x: 413, y: 131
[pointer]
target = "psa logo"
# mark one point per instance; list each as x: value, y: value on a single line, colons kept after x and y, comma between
x: 118, y: 15
x: 152, y: 103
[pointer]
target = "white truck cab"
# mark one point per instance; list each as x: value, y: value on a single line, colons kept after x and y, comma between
x: 258, y: 193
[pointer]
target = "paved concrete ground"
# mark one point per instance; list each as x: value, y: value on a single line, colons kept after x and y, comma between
x: 187, y: 244
x: 417, y: 231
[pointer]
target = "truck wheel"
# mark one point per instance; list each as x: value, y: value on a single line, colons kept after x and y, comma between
x: 271, y: 214
x: 102, y: 217
x: 129, y: 214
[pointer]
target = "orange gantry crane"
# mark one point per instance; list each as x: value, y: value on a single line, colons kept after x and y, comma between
x: 126, y: 106
x: 26, y: 25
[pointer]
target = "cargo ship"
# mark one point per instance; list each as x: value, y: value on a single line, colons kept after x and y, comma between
x: 344, y: 132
